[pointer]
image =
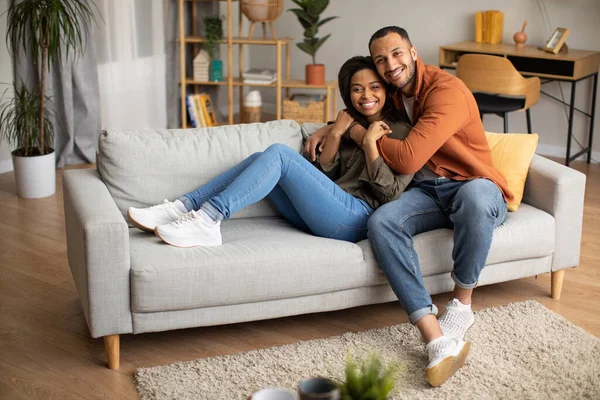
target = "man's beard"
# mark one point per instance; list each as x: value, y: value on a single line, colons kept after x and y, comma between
x: 410, y: 69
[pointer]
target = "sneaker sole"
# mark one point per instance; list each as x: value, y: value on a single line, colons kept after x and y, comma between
x: 439, y: 374
x: 189, y: 242
x: 138, y: 225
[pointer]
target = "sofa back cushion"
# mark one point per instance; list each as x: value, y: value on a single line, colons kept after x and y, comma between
x: 143, y: 167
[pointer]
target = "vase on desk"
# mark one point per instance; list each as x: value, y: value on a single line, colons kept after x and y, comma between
x: 521, y: 37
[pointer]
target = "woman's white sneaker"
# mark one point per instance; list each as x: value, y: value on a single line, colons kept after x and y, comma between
x: 148, y: 218
x: 446, y: 356
x: 190, y: 230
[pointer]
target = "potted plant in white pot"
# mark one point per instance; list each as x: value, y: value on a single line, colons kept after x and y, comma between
x: 309, y: 16
x: 44, y: 29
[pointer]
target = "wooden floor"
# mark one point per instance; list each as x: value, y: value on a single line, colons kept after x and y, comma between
x: 46, y: 352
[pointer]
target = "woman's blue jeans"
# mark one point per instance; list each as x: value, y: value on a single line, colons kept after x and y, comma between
x: 472, y: 208
x: 305, y: 196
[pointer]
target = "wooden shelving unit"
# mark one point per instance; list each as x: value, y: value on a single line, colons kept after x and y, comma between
x: 282, y: 46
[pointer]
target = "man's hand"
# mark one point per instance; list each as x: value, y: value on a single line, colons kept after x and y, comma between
x: 375, y: 132
x: 342, y: 123
x: 316, y: 139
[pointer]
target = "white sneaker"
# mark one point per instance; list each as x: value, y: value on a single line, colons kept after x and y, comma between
x: 189, y: 231
x: 446, y: 356
x: 456, y: 320
x: 148, y: 218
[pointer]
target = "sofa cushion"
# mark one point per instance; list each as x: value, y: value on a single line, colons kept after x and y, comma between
x: 511, y: 155
x: 526, y: 234
x: 143, y: 167
x: 261, y: 259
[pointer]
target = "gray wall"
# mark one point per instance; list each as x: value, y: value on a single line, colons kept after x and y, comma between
x: 6, y: 76
x: 438, y: 22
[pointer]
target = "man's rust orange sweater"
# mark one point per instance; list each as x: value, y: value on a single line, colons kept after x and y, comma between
x: 448, y: 134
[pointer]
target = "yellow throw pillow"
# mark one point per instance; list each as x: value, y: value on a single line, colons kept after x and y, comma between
x: 511, y: 155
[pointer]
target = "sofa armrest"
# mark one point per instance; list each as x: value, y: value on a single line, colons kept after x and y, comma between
x: 98, y: 252
x: 560, y: 191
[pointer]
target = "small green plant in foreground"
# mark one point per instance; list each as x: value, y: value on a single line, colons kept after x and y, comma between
x: 369, y: 379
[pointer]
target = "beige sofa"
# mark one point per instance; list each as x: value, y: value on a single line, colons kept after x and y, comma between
x: 130, y: 282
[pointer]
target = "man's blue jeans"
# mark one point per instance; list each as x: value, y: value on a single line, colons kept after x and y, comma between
x: 472, y: 208
x: 305, y: 196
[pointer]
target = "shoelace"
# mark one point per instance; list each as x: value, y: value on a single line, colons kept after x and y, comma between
x: 191, y: 216
x: 454, y: 303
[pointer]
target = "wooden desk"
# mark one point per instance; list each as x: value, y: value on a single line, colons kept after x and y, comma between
x: 571, y: 66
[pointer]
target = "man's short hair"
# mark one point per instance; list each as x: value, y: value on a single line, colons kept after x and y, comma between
x: 390, y: 29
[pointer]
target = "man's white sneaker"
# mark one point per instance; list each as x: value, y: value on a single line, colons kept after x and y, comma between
x: 148, y: 218
x: 190, y: 230
x: 446, y: 356
x: 456, y: 320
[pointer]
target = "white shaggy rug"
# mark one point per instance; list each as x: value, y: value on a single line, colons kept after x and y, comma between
x: 519, y: 351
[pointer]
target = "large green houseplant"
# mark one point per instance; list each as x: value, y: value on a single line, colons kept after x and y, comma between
x: 45, y: 30
x: 309, y: 15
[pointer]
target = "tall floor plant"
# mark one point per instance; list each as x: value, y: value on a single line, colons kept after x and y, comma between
x: 47, y: 29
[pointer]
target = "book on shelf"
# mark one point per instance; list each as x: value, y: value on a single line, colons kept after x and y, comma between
x: 259, y: 81
x: 207, y: 109
x: 192, y: 110
x: 201, y: 117
x: 201, y: 110
x: 259, y: 76
x: 489, y: 26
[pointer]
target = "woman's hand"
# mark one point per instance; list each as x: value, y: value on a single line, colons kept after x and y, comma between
x: 375, y: 132
x: 342, y: 123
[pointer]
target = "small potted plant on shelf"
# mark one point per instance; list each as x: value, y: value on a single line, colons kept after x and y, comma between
x: 45, y: 30
x: 213, y: 32
x: 368, y: 378
x: 309, y: 16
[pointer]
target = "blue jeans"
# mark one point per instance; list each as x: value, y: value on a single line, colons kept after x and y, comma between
x: 305, y: 196
x: 472, y: 208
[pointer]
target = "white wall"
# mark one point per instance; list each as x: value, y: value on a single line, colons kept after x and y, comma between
x: 437, y: 22
x: 6, y: 76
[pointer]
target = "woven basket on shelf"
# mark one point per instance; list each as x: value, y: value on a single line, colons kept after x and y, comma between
x: 313, y: 111
x: 262, y: 11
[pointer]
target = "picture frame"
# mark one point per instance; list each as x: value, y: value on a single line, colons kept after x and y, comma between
x: 556, y: 41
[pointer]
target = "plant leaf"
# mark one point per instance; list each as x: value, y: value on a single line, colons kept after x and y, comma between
x: 324, y: 21
x: 300, y: 3
x: 307, y: 48
x: 321, y: 41
x: 316, y: 7
x: 305, y: 20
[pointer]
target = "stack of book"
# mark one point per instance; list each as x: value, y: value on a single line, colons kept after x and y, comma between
x: 489, y: 26
x: 201, y: 110
x: 260, y: 76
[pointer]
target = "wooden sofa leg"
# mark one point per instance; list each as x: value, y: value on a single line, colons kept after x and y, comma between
x: 556, y: 285
x: 111, y: 343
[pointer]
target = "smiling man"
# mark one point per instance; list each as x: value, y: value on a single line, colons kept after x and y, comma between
x: 455, y: 186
